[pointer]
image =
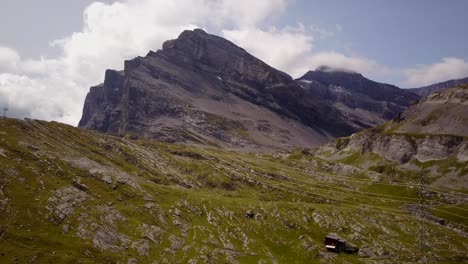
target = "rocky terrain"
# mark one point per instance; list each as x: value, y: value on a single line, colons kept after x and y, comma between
x: 427, y: 90
x: 71, y: 195
x: 442, y: 113
x: 431, y: 137
x: 364, y: 103
x: 200, y: 88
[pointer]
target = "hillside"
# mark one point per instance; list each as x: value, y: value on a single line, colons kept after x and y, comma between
x: 442, y: 113
x: 71, y: 195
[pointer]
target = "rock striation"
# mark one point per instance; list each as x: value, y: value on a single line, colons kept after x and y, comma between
x: 401, y: 148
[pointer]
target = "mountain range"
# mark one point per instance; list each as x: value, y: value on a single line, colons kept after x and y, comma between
x: 203, y: 89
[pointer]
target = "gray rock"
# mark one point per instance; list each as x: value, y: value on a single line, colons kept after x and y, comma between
x: 62, y: 203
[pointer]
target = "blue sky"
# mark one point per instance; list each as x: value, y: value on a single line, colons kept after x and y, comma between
x: 397, y: 33
x: 53, y: 50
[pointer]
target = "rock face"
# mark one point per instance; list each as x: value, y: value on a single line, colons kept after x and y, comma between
x: 363, y: 102
x: 404, y: 148
x: 427, y: 90
x: 203, y: 88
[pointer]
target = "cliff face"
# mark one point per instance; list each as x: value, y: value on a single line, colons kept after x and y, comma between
x: 364, y: 103
x: 401, y: 148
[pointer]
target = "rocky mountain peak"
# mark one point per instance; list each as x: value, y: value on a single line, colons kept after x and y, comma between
x: 203, y: 86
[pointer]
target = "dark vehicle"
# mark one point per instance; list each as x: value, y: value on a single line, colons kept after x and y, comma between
x: 336, y: 244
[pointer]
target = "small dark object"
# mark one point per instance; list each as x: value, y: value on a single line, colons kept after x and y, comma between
x: 336, y: 244
x: 249, y: 214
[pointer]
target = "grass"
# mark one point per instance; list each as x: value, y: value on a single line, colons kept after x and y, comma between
x: 297, y: 200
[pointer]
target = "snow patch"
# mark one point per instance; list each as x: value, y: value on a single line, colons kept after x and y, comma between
x: 338, y: 89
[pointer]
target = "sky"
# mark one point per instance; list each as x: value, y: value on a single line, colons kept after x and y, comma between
x: 52, y: 51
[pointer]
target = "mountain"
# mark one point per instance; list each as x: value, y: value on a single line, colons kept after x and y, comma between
x: 204, y: 89
x: 201, y: 88
x: 429, y: 138
x: 427, y: 90
x: 73, y: 195
x: 364, y: 103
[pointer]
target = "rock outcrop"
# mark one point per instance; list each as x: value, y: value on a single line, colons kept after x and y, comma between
x: 401, y: 148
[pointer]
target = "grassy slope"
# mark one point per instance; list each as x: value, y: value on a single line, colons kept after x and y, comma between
x: 197, y: 198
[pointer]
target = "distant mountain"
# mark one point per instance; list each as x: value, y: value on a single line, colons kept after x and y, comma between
x: 364, y: 103
x: 203, y: 88
x: 427, y: 90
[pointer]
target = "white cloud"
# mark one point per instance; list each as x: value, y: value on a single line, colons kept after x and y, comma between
x: 55, y: 88
x: 244, y: 13
x: 446, y: 69
x: 281, y: 48
x: 340, y: 61
x: 9, y: 59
